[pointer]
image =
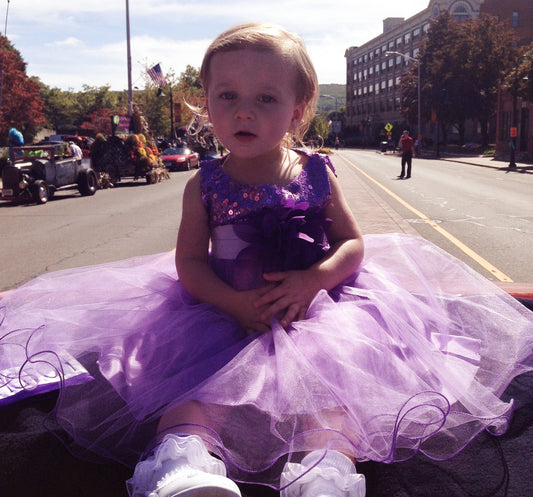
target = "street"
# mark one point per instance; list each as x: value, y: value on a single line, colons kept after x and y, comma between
x: 484, y: 211
x: 489, y: 211
x: 70, y: 230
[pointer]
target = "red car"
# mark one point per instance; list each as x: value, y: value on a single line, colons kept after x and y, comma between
x: 179, y: 159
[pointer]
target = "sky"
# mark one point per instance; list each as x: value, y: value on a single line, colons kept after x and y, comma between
x: 71, y: 43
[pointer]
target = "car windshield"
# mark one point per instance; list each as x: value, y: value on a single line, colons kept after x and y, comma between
x: 176, y: 151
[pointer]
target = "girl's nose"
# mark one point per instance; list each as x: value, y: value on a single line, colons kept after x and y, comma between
x: 244, y: 111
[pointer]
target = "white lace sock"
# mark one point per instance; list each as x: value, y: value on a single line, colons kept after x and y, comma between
x: 333, y: 476
x: 181, y: 466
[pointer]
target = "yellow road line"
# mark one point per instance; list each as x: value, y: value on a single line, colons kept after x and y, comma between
x: 460, y: 245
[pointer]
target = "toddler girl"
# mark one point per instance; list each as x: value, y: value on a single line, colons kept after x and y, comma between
x: 279, y: 356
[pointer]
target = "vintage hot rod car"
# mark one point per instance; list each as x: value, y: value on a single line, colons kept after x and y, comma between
x: 37, y: 171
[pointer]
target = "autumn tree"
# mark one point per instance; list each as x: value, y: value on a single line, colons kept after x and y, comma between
x: 21, y: 106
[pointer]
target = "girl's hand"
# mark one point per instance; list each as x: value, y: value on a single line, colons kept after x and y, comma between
x: 292, y: 295
x: 251, y: 317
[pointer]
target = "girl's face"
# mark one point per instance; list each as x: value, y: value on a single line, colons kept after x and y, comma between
x: 251, y: 101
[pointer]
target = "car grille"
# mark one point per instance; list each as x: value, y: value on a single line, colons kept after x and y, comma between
x: 11, y: 179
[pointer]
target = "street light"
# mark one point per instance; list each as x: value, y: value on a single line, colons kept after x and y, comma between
x: 419, y: 87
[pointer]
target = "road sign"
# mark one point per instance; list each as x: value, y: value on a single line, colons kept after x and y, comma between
x: 388, y: 127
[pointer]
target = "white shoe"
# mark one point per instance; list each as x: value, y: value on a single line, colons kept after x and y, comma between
x: 322, y: 474
x: 181, y: 466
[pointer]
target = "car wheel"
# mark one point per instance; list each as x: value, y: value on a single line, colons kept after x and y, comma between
x: 39, y: 192
x: 87, y: 182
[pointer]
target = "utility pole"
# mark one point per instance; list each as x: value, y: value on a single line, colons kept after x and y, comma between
x: 130, y: 90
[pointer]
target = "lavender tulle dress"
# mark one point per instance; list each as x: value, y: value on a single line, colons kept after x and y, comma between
x: 409, y: 354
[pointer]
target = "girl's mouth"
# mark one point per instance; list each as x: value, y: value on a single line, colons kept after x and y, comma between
x: 244, y: 135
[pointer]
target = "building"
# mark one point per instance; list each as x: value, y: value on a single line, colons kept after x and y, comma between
x: 374, y: 69
x: 512, y: 111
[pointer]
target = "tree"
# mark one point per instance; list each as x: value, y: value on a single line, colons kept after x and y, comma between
x: 59, y: 108
x: 318, y: 129
x: 524, y: 75
x: 462, y: 65
x: 490, y: 56
x: 21, y: 106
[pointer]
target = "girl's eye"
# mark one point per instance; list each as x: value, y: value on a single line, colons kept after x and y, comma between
x: 267, y: 99
x: 227, y: 95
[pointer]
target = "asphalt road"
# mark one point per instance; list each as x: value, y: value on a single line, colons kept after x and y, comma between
x: 70, y: 230
x: 489, y: 211
x: 483, y: 216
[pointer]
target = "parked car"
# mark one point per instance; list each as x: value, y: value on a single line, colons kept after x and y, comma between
x: 180, y: 159
x: 39, y: 170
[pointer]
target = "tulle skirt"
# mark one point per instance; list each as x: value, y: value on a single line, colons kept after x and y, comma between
x: 409, y: 355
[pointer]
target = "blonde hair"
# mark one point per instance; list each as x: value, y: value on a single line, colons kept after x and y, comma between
x: 274, y: 39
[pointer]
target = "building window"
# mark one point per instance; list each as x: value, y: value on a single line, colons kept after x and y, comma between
x: 407, y: 38
x: 391, y: 62
x: 416, y: 51
x: 399, y: 42
x: 377, y: 68
x: 461, y: 12
x: 376, y: 88
x: 416, y: 33
x: 399, y: 59
x: 515, y: 20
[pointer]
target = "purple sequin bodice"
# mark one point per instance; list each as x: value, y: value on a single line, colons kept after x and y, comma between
x: 264, y: 228
x: 229, y: 201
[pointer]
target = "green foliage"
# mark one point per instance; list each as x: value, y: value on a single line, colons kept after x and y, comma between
x: 331, y: 95
x: 462, y: 66
x: 318, y: 129
x: 522, y: 77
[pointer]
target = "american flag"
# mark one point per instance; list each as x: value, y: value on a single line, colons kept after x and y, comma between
x: 157, y: 75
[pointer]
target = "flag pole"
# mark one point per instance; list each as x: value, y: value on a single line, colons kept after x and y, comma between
x: 130, y: 91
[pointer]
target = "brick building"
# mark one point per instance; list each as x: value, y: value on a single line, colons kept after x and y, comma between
x: 373, y: 73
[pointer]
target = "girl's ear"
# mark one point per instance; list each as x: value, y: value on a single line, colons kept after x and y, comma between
x: 297, y: 115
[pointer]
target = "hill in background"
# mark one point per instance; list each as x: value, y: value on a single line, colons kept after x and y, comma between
x: 326, y: 103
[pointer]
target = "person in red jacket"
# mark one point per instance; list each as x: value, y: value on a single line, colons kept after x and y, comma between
x: 407, y: 145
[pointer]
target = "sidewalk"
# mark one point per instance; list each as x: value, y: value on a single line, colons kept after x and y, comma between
x: 482, y: 161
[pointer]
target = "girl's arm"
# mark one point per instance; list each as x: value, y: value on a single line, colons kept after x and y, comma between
x: 192, y: 264
x: 296, y: 289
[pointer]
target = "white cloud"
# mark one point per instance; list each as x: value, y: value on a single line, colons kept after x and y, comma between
x: 68, y: 44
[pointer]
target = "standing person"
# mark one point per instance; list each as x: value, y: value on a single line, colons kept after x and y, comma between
x: 75, y: 151
x: 278, y: 348
x: 407, y: 145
